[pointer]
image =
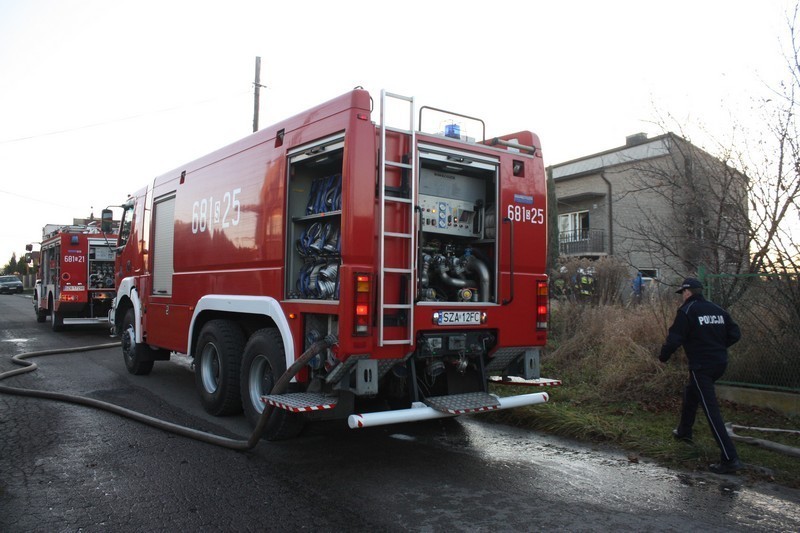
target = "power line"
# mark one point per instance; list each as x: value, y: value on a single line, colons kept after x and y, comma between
x: 39, y: 200
x: 122, y: 119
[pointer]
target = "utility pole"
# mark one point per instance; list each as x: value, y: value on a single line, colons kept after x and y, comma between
x: 256, y: 93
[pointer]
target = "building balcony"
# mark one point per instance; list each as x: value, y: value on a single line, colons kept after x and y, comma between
x: 582, y: 243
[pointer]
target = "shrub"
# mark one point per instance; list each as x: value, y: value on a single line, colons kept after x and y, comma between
x: 611, y: 351
x: 601, y: 282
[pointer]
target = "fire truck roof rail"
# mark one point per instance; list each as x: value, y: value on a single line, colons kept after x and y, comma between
x: 71, y: 228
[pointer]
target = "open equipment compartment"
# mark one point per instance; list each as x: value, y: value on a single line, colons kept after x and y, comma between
x: 458, y: 226
x: 314, y: 209
x: 101, y: 265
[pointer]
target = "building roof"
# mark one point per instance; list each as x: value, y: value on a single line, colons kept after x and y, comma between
x: 638, y: 148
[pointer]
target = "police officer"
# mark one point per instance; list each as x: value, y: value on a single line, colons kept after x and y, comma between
x: 705, y: 331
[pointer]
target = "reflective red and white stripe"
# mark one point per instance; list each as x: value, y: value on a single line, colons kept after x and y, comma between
x: 300, y: 409
x: 473, y: 410
x: 516, y: 380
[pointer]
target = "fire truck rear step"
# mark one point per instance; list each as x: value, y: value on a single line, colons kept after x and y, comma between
x: 84, y: 321
x: 300, y: 402
x: 459, y: 404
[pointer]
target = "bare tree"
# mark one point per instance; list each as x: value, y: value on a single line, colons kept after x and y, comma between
x: 736, y: 212
x: 775, y: 195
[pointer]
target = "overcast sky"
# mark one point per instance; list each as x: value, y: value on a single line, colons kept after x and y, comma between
x: 99, y: 97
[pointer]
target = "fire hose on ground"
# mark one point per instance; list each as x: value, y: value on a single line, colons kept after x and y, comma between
x: 202, y: 436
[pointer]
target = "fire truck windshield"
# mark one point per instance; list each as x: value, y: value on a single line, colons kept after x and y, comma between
x: 125, y: 225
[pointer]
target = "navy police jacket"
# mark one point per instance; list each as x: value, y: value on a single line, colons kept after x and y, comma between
x: 705, y: 330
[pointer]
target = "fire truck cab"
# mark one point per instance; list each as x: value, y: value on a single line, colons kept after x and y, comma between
x: 421, y: 255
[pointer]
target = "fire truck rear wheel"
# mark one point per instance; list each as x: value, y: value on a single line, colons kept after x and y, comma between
x: 217, y: 363
x: 263, y: 363
x: 137, y: 360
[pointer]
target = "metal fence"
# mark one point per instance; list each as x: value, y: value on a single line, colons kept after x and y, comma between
x: 582, y: 242
x: 768, y: 313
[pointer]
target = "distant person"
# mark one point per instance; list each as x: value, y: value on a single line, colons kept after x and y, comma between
x: 705, y: 331
x: 585, y: 284
x: 638, y: 288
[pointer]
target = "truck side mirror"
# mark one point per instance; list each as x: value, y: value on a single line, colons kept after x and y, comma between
x: 106, y: 220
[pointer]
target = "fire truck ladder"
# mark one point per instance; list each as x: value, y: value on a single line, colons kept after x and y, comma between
x: 400, y: 199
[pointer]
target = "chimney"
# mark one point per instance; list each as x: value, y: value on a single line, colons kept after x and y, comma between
x: 636, y: 138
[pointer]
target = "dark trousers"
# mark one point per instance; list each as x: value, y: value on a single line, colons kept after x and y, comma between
x: 699, y: 392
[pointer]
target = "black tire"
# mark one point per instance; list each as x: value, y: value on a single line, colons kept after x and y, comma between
x: 137, y: 360
x: 41, y: 314
x: 217, y: 360
x: 263, y: 363
x: 56, y: 318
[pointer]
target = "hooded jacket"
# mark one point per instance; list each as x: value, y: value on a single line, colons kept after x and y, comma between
x: 705, y: 330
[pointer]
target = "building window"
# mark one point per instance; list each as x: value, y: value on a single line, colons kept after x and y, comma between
x: 573, y: 226
x: 649, y: 273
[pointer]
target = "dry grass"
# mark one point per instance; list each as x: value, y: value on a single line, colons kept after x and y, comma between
x: 615, y: 350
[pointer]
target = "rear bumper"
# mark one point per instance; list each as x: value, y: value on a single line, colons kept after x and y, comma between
x: 419, y: 411
x: 11, y: 290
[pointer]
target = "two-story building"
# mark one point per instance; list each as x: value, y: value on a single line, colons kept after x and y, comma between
x: 662, y: 205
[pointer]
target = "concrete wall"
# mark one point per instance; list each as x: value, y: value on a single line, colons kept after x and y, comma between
x: 783, y: 402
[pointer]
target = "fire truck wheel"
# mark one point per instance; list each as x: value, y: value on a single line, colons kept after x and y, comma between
x: 57, y: 319
x: 136, y: 358
x: 217, y: 363
x: 263, y: 363
x: 41, y: 314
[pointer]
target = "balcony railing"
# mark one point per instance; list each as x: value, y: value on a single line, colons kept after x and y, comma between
x: 582, y: 242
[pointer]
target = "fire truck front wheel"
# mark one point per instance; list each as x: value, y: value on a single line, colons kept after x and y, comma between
x: 56, y: 318
x: 41, y: 314
x: 263, y: 363
x: 136, y: 358
x: 217, y: 363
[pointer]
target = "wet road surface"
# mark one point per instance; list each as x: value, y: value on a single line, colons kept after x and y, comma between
x: 67, y: 468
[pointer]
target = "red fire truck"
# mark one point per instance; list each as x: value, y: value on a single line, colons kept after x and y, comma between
x: 422, y: 255
x: 76, y: 275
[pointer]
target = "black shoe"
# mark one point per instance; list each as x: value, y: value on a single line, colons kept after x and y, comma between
x: 726, y: 467
x: 683, y: 438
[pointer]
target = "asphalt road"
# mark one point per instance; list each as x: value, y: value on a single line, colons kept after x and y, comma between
x: 68, y: 468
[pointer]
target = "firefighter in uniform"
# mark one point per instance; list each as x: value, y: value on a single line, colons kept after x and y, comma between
x: 705, y: 331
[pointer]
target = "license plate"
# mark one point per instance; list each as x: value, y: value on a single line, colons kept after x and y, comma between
x: 74, y: 288
x: 459, y: 318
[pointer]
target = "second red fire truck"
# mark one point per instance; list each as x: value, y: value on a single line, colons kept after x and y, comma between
x: 420, y: 257
x: 76, y: 274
